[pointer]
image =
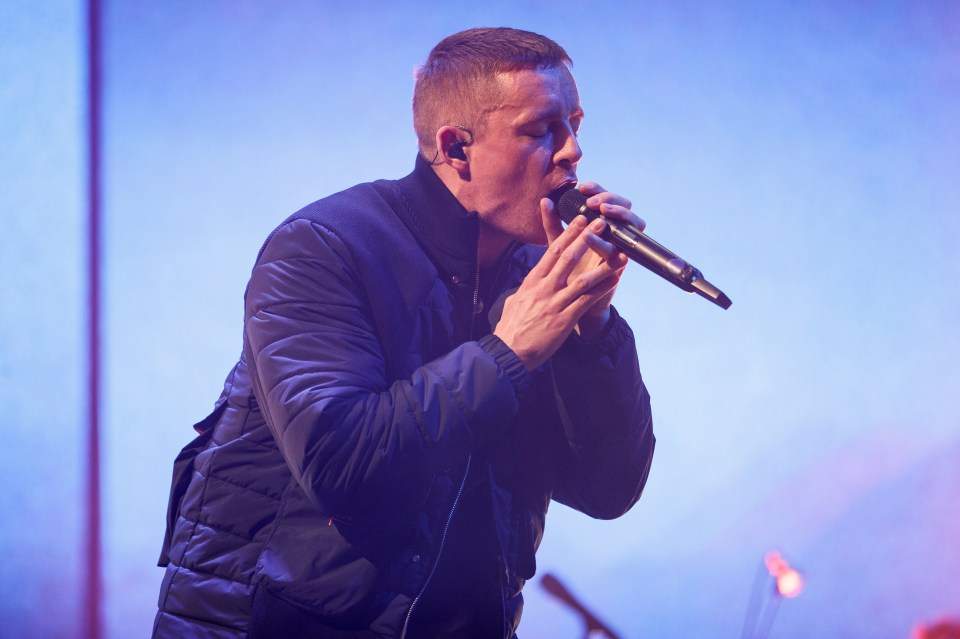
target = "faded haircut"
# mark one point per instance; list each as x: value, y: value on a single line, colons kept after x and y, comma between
x: 458, y: 83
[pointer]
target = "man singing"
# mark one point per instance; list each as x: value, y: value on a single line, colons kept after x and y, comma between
x: 419, y: 378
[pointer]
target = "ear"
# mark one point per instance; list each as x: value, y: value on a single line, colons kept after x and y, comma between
x: 453, y: 149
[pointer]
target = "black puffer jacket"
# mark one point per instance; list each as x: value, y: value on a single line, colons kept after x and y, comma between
x: 320, y: 486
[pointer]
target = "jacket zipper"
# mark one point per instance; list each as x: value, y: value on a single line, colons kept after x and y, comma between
x: 466, y: 472
x: 477, y: 311
x: 476, y: 284
x: 503, y: 604
x: 443, y: 540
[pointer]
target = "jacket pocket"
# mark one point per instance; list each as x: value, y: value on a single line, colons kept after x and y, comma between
x: 183, y: 472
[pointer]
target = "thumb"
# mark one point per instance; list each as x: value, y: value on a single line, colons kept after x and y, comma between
x: 551, y: 221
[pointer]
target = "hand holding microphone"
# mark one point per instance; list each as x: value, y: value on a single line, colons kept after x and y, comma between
x: 641, y: 248
x: 573, y: 284
x: 569, y: 288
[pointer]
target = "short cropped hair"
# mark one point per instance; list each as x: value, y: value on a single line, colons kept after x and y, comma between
x: 458, y: 84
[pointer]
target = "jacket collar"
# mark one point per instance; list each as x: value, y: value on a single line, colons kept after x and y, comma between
x: 440, y: 224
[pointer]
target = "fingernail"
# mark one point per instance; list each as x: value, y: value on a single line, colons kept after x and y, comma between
x: 597, y: 225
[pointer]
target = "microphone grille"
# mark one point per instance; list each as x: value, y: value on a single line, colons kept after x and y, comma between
x: 570, y: 203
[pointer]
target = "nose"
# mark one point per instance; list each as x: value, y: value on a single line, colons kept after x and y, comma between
x: 569, y: 152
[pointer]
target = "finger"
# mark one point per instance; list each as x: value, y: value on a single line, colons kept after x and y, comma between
x: 556, y: 248
x: 586, y: 283
x: 606, y: 250
x: 573, y: 254
x: 596, y: 195
x: 590, y: 188
x: 622, y: 214
x: 606, y: 197
x: 598, y: 283
x: 552, y: 225
x: 595, y: 241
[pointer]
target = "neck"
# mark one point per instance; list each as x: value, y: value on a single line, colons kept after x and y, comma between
x: 492, y: 241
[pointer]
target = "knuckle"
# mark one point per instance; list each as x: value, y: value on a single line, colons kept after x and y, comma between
x: 568, y: 255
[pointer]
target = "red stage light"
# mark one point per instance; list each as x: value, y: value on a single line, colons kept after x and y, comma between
x: 789, y: 581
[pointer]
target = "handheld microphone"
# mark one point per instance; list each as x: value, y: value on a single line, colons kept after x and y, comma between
x: 639, y: 247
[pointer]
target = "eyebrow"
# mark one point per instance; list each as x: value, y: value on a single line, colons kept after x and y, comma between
x: 548, y: 115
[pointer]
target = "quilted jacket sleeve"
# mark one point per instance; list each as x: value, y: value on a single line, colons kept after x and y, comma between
x: 319, y: 375
x: 604, y: 408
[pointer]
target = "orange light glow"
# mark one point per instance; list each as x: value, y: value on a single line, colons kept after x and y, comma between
x: 789, y: 581
x: 776, y: 564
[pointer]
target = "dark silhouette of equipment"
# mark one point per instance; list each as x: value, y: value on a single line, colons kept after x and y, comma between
x: 592, y: 624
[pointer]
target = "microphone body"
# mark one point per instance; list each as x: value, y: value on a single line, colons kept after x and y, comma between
x: 641, y: 248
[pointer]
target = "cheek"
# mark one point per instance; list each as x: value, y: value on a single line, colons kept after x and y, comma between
x: 502, y: 168
x: 519, y: 171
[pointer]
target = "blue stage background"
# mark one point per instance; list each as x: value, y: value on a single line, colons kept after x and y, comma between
x: 804, y: 155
